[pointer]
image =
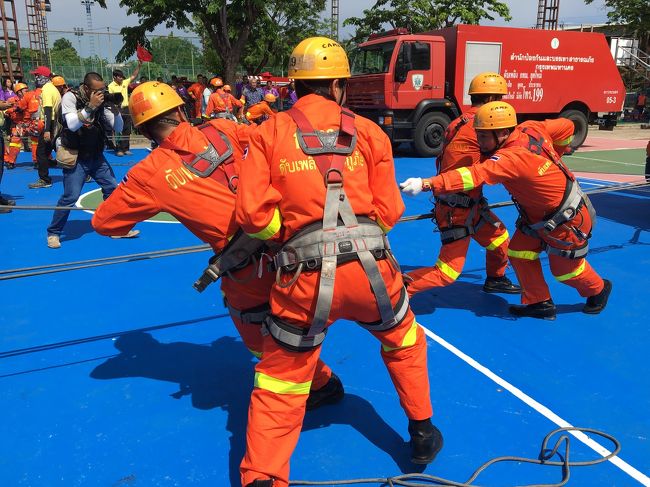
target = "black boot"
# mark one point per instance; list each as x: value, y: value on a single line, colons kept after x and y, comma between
x: 500, y: 285
x: 544, y: 309
x: 330, y: 393
x: 261, y: 483
x: 426, y: 441
x: 595, y: 304
x: 5, y: 201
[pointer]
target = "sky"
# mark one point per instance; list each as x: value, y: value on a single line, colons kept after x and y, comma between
x: 67, y: 14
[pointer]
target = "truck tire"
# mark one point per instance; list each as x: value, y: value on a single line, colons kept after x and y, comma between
x: 581, y: 124
x: 429, y: 134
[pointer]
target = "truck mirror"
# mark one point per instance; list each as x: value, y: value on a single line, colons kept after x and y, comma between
x: 403, y: 64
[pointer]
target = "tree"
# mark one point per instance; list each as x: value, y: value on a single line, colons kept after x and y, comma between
x: 423, y: 15
x: 634, y: 15
x: 63, y: 53
x: 225, y: 25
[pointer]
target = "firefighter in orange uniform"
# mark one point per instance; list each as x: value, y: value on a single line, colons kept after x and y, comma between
x: 25, y: 124
x: 221, y: 103
x: 192, y: 174
x: 554, y: 214
x: 462, y: 215
x: 261, y: 111
x: 196, y: 93
x: 320, y: 181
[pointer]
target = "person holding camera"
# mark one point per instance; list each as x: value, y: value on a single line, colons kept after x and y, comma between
x: 120, y: 85
x: 85, y: 118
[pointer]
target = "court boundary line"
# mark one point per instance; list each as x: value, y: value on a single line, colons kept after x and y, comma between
x: 92, y: 212
x: 540, y: 408
x: 607, y: 160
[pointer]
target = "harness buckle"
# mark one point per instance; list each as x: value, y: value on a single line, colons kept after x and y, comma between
x: 333, y: 176
x: 233, y: 183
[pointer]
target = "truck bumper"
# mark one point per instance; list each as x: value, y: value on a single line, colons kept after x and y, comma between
x: 607, y: 120
x: 396, y: 130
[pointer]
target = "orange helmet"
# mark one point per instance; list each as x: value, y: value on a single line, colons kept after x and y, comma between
x: 318, y: 58
x: 58, y: 81
x: 270, y: 97
x: 151, y: 99
x: 495, y: 115
x: 216, y: 82
x: 226, y: 88
x: 488, y: 84
x: 19, y: 86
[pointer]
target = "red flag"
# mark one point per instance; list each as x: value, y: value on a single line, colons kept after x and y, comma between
x: 143, y: 55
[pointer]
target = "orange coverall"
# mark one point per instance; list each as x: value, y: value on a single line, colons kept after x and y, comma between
x: 462, y: 150
x: 220, y: 101
x: 281, y: 191
x: 538, y: 185
x: 24, y: 125
x: 259, y: 112
x: 204, y: 206
x: 196, y: 92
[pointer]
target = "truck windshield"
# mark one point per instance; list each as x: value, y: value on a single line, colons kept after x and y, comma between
x: 372, y: 59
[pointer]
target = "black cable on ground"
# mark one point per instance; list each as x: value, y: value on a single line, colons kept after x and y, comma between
x: 544, y: 458
x: 85, y: 264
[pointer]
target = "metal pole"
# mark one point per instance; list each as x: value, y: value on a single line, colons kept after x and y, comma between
x: 192, y: 55
x: 110, y: 49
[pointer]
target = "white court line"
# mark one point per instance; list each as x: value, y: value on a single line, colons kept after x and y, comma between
x: 607, y: 160
x: 540, y: 408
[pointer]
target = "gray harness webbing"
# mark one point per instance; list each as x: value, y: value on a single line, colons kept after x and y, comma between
x: 451, y: 234
x: 250, y: 316
x: 326, y: 244
x: 236, y: 255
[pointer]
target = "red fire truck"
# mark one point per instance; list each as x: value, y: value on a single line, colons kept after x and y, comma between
x: 413, y: 85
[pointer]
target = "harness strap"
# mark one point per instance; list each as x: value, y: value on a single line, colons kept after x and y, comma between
x: 450, y: 134
x: 577, y: 253
x: 219, y: 153
x: 249, y: 316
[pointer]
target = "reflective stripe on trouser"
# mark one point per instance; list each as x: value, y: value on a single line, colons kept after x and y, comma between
x: 251, y: 294
x: 524, y: 253
x: 451, y: 259
x: 34, y: 144
x: 13, y: 149
x: 275, y: 419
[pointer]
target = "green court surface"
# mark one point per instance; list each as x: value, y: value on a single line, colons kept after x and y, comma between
x: 622, y: 161
x: 93, y: 198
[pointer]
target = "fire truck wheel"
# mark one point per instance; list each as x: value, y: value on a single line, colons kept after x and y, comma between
x: 581, y: 124
x: 429, y: 134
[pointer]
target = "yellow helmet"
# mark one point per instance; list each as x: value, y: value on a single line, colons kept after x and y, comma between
x: 488, y: 84
x: 19, y: 86
x: 58, y: 81
x: 151, y: 99
x: 318, y: 58
x: 495, y: 115
x: 270, y: 97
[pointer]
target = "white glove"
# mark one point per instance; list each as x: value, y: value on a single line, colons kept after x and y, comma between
x: 412, y: 186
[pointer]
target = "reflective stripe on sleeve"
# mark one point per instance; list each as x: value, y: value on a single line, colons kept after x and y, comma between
x: 523, y: 254
x: 566, y: 141
x: 256, y: 354
x: 579, y: 270
x: 447, y: 269
x: 383, y: 226
x: 409, y: 339
x: 268, y: 383
x: 271, y: 229
x: 466, y: 175
x: 498, y: 241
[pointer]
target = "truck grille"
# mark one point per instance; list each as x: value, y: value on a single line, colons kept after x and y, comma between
x: 366, y: 100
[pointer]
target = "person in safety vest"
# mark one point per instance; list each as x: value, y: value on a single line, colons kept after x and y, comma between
x: 24, y: 117
x: 192, y: 175
x: 196, y: 93
x: 554, y: 214
x: 261, y: 111
x: 464, y: 215
x: 220, y: 103
x: 319, y: 181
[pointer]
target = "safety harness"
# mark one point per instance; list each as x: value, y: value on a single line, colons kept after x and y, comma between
x: 452, y: 233
x: 572, y: 202
x: 340, y: 237
x: 217, y: 162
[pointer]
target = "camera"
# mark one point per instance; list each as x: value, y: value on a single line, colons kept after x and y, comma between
x: 112, y: 98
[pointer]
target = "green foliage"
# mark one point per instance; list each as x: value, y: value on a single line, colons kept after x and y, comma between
x: 423, y: 15
x: 260, y: 30
x: 634, y: 14
x: 63, y: 53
